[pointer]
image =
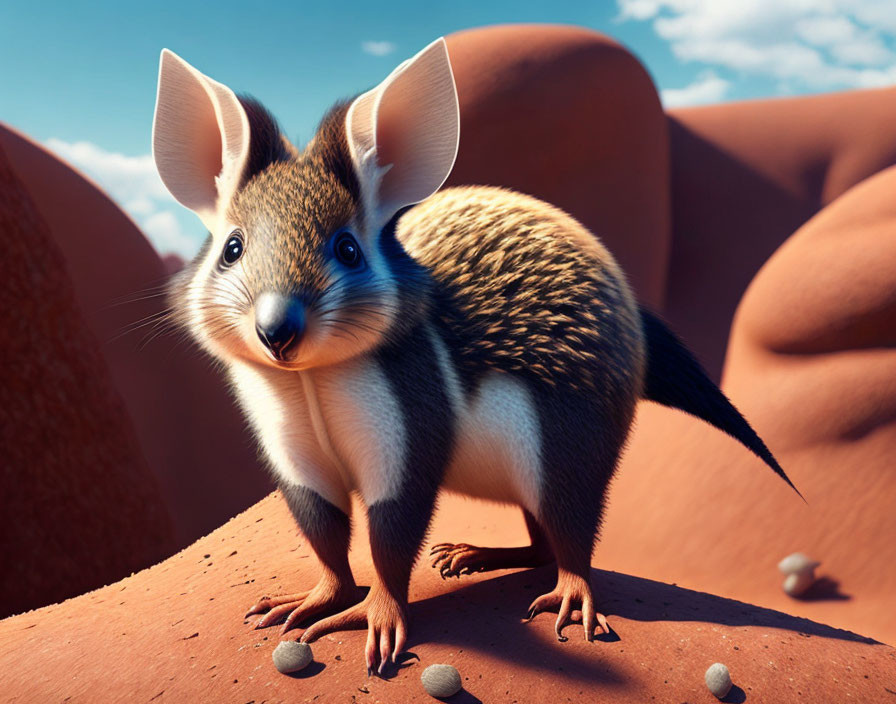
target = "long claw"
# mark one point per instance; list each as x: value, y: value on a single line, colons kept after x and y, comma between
x: 401, y: 639
x: 385, y: 649
x: 441, y: 557
x: 258, y: 606
x: 588, y: 618
x: 603, y: 623
x: 370, y: 649
x: 562, y: 616
x: 276, y: 614
x: 299, y: 614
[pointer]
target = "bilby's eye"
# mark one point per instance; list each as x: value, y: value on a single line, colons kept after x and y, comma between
x: 347, y: 250
x: 233, y: 250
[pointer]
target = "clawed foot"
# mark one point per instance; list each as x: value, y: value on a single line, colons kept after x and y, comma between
x: 386, y: 622
x: 571, y: 591
x: 454, y: 560
x: 296, y: 608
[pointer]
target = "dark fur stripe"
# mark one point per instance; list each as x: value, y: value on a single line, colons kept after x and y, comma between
x: 331, y: 147
x: 398, y: 525
x: 326, y: 527
x: 581, y: 442
x: 266, y: 144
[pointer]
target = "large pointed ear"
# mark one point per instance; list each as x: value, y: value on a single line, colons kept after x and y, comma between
x: 200, y: 137
x: 403, y: 134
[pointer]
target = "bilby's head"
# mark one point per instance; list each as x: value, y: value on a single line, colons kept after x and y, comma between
x: 301, y: 267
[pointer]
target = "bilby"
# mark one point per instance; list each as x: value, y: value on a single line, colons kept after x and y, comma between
x: 389, y: 339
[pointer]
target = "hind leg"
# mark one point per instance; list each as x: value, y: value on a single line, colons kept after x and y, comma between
x: 580, y: 448
x: 454, y: 560
x: 573, y: 591
x: 571, y: 531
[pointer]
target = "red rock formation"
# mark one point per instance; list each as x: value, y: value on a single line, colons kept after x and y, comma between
x: 812, y: 365
x: 745, y: 176
x: 79, y: 507
x: 188, y: 429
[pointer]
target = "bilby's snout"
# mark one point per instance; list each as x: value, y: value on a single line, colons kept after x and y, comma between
x: 280, y: 323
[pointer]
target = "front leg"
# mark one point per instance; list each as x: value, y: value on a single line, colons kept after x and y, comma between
x: 397, y: 529
x: 401, y: 504
x: 328, y: 530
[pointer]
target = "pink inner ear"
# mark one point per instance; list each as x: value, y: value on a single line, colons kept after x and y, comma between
x: 410, y: 122
x: 189, y: 138
x: 209, y: 147
x: 391, y: 148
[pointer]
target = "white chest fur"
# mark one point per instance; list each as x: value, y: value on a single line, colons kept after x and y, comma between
x: 333, y: 430
x: 340, y: 429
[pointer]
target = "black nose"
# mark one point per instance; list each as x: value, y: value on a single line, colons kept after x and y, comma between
x: 279, y: 322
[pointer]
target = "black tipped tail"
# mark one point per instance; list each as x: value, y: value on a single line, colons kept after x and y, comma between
x: 675, y: 378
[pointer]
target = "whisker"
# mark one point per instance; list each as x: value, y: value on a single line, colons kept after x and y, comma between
x: 143, y: 322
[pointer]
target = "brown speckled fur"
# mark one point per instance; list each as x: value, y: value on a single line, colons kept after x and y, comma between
x: 522, y: 287
x: 309, y: 197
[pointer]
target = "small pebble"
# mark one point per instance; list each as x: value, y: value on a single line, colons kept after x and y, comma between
x: 800, y: 571
x: 798, y: 583
x: 797, y: 562
x: 718, y: 680
x: 441, y: 681
x: 292, y: 656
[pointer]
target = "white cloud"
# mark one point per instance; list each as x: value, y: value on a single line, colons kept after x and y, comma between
x: 134, y: 183
x: 823, y: 31
x: 708, y: 88
x: 638, y: 9
x: 377, y: 48
x: 165, y: 232
x: 813, y: 44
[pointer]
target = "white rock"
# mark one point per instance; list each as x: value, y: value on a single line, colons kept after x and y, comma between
x: 797, y: 562
x: 718, y: 680
x: 292, y: 656
x: 798, y: 582
x: 441, y: 681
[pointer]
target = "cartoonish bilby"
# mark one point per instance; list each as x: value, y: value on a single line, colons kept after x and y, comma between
x: 482, y: 341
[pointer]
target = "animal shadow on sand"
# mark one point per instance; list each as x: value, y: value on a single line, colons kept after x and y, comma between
x: 486, y: 616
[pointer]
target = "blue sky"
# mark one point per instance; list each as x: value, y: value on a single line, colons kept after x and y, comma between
x: 82, y: 79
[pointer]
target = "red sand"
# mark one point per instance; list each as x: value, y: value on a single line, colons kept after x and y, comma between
x: 176, y: 633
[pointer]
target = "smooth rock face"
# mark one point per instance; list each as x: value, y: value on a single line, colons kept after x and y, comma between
x: 718, y: 680
x: 292, y: 656
x: 192, y: 437
x: 441, y: 681
x: 79, y: 505
x: 810, y: 365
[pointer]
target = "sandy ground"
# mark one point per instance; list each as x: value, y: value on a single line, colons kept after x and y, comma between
x: 176, y: 632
